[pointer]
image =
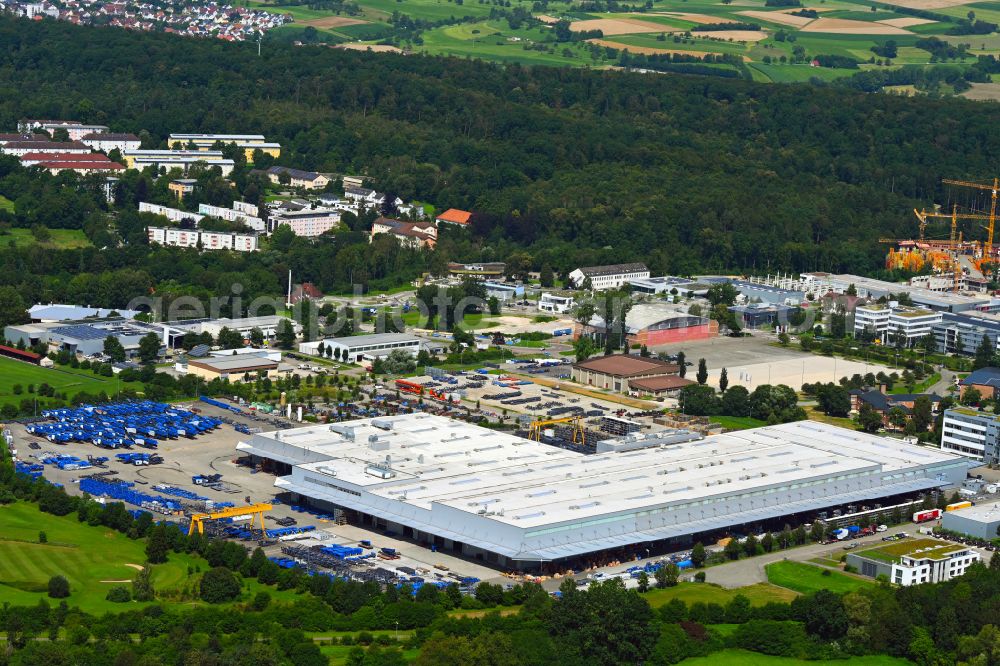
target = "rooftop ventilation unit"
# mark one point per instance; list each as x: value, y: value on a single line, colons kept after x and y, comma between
x: 345, y: 431
x: 382, y: 424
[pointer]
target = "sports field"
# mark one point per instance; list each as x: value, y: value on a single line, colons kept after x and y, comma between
x: 63, y: 380
x: 806, y: 578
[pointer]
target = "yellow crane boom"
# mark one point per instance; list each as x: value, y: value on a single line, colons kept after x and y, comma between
x: 253, y: 510
x: 993, y: 204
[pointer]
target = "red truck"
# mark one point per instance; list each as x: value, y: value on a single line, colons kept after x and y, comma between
x: 926, y: 516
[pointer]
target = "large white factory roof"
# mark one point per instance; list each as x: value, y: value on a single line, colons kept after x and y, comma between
x: 442, y: 476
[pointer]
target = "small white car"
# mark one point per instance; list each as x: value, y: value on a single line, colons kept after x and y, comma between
x: 881, y: 528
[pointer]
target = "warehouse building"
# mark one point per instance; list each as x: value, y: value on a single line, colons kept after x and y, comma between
x: 83, y: 336
x: 981, y: 521
x: 652, y: 325
x: 357, y: 348
x: 234, y: 368
x: 668, y: 284
x: 513, y: 502
x: 51, y: 312
x: 615, y: 276
x: 822, y: 283
x: 614, y: 372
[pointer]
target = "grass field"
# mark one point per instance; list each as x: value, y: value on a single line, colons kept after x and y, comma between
x: 63, y: 239
x: 737, y: 422
x: 85, y: 555
x: 6, y: 204
x: 63, y: 380
x: 806, y: 578
x: 758, y: 594
x: 735, y: 657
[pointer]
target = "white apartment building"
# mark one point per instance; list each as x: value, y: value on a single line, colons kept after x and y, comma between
x: 172, y: 214
x: 886, y: 322
x: 925, y: 561
x: 308, y: 222
x: 106, y: 142
x: 240, y: 212
x: 75, y: 130
x: 555, y: 303
x: 180, y: 159
x: 608, y: 277
x: 205, y: 240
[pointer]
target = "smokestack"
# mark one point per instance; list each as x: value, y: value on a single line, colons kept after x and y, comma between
x: 288, y: 301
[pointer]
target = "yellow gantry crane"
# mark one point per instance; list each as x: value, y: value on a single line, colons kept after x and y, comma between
x: 535, y: 429
x: 253, y: 510
x: 992, y: 188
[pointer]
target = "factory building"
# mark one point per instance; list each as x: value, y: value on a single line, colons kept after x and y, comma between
x: 513, y: 502
x: 83, y: 336
x: 357, y: 348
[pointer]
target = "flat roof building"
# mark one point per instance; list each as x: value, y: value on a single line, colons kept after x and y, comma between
x: 969, y: 432
x: 613, y: 276
x: 234, y: 368
x: 914, y: 562
x: 513, y: 502
x: 355, y: 348
x: 981, y: 521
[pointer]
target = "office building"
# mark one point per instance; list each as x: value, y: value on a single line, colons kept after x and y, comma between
x: 971, y: 433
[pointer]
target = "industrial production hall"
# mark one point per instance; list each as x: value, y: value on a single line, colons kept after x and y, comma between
x: 513, y: 502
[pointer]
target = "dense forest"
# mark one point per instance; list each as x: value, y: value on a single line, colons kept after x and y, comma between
x: 562, y: 166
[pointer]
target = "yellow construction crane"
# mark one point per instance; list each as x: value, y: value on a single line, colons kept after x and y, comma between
x: 254, y: 510
x: 954, y: 216
x: 535, y: 429
x: 992, y: 188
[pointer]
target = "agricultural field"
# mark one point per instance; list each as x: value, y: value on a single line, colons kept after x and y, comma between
x: 63, y: 380
x: 778, y: 44
x: 807, y: 578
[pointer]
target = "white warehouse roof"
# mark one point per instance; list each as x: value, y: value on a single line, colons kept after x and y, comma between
x: 530, y: 501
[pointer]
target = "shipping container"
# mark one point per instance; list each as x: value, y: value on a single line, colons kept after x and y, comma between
x: 958, y: 505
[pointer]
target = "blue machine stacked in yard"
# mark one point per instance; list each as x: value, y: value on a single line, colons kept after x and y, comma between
x: 122, y: 425
x: 125, y: 492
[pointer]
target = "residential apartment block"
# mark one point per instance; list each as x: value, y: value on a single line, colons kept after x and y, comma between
x: 204, y: 240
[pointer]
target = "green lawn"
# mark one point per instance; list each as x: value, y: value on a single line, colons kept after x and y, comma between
x: 62, y: 379
x: 918, y: 388
x: 733, y: 657
x: 88, y: 557
x: 737, y: 422
x: 6, y: 204
x: 62, y: 239
x: 806, y: 578
x: 758, y: 594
